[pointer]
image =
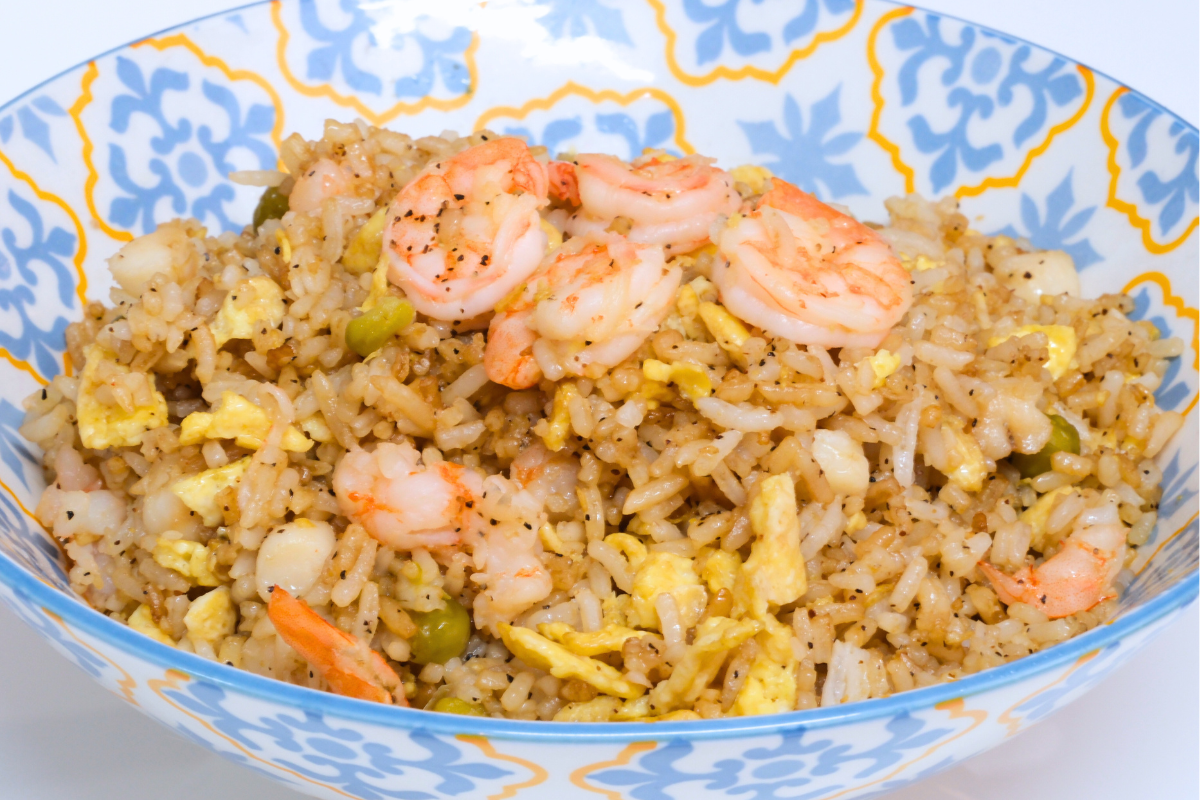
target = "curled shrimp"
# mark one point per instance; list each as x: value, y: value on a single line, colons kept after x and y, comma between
x: 322, y: 180
x: 801, y: 270
x: 406, y: 504
x: 1078, y: 576
x: 507, y: 553
x: 670, y: 202
x: 594, y: 300
x: 347, y: 664
x: 466, y: 231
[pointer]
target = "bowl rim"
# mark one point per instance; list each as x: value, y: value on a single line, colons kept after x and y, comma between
x: 73, y: 609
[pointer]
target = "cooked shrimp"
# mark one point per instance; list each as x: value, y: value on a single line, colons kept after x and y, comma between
x: 406, y: 504
x: 347, y: 664
x: 1076, y: 578
x: 670, y: 202
x: 801, y: 270
x: 466, y: 231
x: 508, y: 553
x: 594, y: 300
x: 323, y: 180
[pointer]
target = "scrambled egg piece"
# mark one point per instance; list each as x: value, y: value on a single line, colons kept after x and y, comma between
x: 598, y: 709
x: 771, y: 685
x: 237, y: 418
x: 199, y: 492
x: 918, y: 264
x: 553, y: 236
x: 253, y: 302
x: 841, y: 458
x: 211, y: 616
x: 756, y: 177
x: 719, y: 568
x: 362, y: 253
x: 192, y: 560
x: 559, y: 424
x: 775, y: 570
x: 725, y: 328
x: 675, y: 575
x: 692, y: 379
x: 856, y: 522
x: 143, y: 622
x: 1062, y: 345
x: 701, y: 662
x: 316, y: 427
x: 539, y: 652
x: 968, y: 469
x: 616, y: 609
x: 102, y: 426
x: 883, y: 364
x: 609, y: 639
x: 1038, y: 514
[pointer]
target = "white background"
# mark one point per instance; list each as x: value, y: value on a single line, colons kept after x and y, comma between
x: 1135, y: 736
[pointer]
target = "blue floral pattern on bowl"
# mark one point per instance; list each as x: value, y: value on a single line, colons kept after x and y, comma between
x: 854, y: 101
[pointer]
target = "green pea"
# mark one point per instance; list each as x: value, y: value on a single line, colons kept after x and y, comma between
x: 1063, y: 436
x: 452, y: 705
x: 441, y: 635
x: 367, y: 333
x: 272, y: 205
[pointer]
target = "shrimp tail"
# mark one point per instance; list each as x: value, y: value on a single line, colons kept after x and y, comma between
x: 564, y: 185
x: 350, y: 667
x: 510, y: 335
x: 1067, y: 583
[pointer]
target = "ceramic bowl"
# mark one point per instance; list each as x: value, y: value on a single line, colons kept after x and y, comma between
x: 854, y: 101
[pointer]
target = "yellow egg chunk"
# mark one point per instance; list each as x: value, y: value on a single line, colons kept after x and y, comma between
x: 1062, y: 345
x: 316, y: 427
x: 143, y: 622
x: 102, y: 425
x: 724, y: 327
x: 192, y: 560
x: 675, y: 575
x: 559, y: 424
x: 609, y: 639
x: 211, y: 616
x: 719, y: 569
x: 775, y: 569
x: 1038, y: 514
x: 756, y: 177
x: 770, y: 688
x: 237, y: 418
x: 554, y: 238
x: 539, y: 652
x: 701, y: 662
x: 362, y: 253
x: 199, y: 492
x: 968, y: 469
x: 883, y: 364
x: 692, y: 379
x: 253, y: 303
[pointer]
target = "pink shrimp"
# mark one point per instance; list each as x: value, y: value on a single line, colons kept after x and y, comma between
x: 670, y: 202
x: 807, y: 272
x: 405, y: 504
x: 319, y: 182
x: 594, y: 300
x: 348, y: 665
x: 1076, y: 578
x: 466, y: 231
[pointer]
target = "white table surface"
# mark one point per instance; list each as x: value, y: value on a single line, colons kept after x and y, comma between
x: 1135, y: 736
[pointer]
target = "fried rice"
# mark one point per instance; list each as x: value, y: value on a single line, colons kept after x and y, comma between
x: 668, y: 478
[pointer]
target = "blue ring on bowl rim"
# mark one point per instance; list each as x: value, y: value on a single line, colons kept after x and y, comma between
x: 75, y: 611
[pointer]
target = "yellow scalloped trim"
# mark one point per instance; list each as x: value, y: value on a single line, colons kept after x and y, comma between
x: 126, y: 683
x: 1181, y: 310
x: 748, y: 71
x: 80, y: 253
x: 540, y: 775
x: 595, y: 96
x: 1130, y: 209
x: 893, y: 149
x: 349, y: 101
